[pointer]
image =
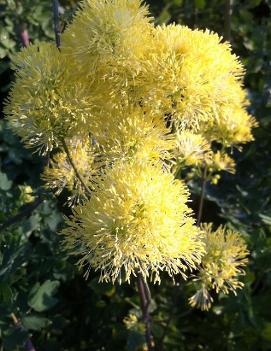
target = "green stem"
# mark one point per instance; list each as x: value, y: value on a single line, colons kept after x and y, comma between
x: 202, y: 194
x: 227, y: 20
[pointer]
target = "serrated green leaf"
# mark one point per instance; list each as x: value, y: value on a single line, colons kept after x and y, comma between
x: 41, y: 297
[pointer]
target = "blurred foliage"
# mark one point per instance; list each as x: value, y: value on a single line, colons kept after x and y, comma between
x: 40, y: 284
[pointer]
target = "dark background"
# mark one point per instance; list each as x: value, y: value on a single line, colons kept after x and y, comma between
x: 42, y: 286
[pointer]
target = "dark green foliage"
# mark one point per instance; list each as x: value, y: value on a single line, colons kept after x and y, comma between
x: 40, y: 283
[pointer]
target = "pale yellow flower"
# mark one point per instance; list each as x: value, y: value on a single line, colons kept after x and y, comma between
x: 232, y: 127
x: 192, y: 149
x: 221, y: 266
x: 106, y: 34
x: 44, y: 105
x: 60, y: 174
x: 137, y: 221
x: 220, y: 161
x: 130, y: 132
x: 194, y: 78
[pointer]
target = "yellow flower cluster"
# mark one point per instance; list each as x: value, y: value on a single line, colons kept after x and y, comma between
x: 190, y: 69
x: 222, y: 264
x: 45, y: 105
x: 192, y: 149
x: 59, y: 174
x: 131, y: 133
x: 129, y: 99
x: 137, y: 221
x: 105, y: 35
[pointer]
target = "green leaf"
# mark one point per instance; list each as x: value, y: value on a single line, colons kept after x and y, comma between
x: 41, y: 297
x: 178, y: 2
x: 200, y: 4
x: 5, y: 184
x: 265, y: 219
x: 5, y: 293
x: 3, y: 53
x: 53, y: 220
x: 35, y: 322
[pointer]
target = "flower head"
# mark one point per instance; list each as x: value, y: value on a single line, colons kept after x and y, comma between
x: 60, y: 174
x: 221, y: 266
x: 192, y: 149
x: 233, y: 126
x: 44, y: 105
x: 107, y: 32
x: 191, y: 76
x: 129, y: 132
x: 220, y: 161
x: 137, y: 221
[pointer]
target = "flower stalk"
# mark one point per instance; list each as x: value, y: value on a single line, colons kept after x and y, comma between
x: 55, y: 5
x: 77, y: 173
x: 63, y: 142
x: 145, y: 300
x: 202, y: 194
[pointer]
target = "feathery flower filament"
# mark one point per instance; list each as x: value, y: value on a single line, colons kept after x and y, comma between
x: 136, y: 221
x: 223, y: 263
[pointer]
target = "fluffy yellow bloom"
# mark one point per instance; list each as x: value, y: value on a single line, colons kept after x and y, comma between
x: 222, y: 264
x: 192, y: 149
x: 130, y: 132
x: 137, y: 221
x: 60, y: 174
x: 213, y: 163
x: 220, y: 161
x: 105, y: 33
x: 195, y: 151
x: 144, y: 96
x: 232, y: 127
x: 193, y: 77
x: 44, y: 105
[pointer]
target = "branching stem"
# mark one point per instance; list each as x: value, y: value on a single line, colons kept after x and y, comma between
x: 227, y: 20
x: 145, y: 300
x: 77, y: 173
x: 55, y: 5
x: 65, y: 146
x: 202, y: 194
